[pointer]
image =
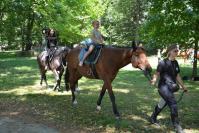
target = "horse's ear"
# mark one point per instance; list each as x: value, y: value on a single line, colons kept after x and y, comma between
x: 134, y: 45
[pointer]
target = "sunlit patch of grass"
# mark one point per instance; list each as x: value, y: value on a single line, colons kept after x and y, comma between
x: 135, y: 98
x: 23, y: 68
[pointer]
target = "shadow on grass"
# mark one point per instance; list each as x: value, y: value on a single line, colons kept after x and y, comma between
x: 18, y: 72
x: 133, y: 107
x: 58, y: 110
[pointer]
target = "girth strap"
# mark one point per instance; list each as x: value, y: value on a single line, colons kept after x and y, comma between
x: 94, y: 71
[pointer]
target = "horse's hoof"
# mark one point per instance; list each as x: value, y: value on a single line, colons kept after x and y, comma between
x: 98, y: 108
x: 60, y: 90
x: 76, y: 92
x: 77, y: 89
x: 117, y: 117
x: 75, y: 102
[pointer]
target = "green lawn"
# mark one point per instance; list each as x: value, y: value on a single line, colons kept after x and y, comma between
x: 22, y: 96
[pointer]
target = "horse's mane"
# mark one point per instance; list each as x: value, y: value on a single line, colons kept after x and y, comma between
x: 127, y: 47
x: 117, y: 46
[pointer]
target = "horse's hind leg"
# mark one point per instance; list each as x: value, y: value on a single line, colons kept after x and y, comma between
x: 72, y: 86
x: 73, y: 79
x: 66, y: 79
x: 77, y: 89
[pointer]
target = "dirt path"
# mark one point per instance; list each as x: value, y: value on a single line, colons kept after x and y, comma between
x: 8, y: 125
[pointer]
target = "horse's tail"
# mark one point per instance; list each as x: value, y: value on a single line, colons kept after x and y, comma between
x: 66, y: 77
x: 39, y: 61
x: 66, y: 50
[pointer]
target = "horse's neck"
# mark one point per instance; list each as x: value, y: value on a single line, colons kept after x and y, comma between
x: 126, y: 58
x: 122, y: 56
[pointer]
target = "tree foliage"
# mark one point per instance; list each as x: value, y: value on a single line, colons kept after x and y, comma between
x: 22, y: 20
x: 123, y: 20
x: 172, y: 21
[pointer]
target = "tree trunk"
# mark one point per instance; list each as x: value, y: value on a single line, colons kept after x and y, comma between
x: 194, y: 72
x: 136, y: 18
x: 22, y: 38
x: 30, y: 24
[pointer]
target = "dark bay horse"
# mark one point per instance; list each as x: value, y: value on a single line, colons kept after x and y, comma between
x: 107, y: 67
x: 56, y: 65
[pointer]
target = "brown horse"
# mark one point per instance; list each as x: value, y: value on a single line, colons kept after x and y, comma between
x: 185, y: 54
x: 188, y: 53
x: 56, y: 65
x: 107, y: 67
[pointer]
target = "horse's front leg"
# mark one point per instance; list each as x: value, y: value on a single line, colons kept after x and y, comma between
x: 56, y: 74
x: 59, y: 81
x: 45, y: 80
x: 112, y: 97
x: 41, y: 81
x: 100, y: 97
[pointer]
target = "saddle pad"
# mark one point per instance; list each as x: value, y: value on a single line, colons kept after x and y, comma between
x: 94, y: 56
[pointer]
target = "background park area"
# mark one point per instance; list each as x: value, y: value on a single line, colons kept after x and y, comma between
x: 155, y: 24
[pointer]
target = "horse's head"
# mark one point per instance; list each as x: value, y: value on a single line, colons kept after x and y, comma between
x: 139, y: 60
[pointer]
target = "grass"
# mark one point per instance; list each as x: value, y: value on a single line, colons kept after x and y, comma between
x: 22, y: 96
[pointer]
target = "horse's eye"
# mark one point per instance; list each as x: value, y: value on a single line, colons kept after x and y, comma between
x: 136, y: 54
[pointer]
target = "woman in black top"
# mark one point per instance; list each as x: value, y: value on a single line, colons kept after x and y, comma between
x: 51, y: 39
x: 168, y: 71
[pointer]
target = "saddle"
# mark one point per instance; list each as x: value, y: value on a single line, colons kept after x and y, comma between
x: 92, y: 59
x: 94, y: 55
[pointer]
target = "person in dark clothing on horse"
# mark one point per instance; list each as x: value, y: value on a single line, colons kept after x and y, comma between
x: 51, y: 43
x: 45, y: 32
x: 168, y: 72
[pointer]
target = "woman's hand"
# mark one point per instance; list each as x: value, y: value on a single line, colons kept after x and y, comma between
x: 153, y: 82
x: 155, y: 77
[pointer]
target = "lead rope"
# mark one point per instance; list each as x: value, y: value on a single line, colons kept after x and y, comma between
x: 180, y: 98
x: 181, y: 95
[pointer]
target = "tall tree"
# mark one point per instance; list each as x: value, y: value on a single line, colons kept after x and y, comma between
x: 172, y: 21
x: 22, y: 20
x: 123, y: 20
